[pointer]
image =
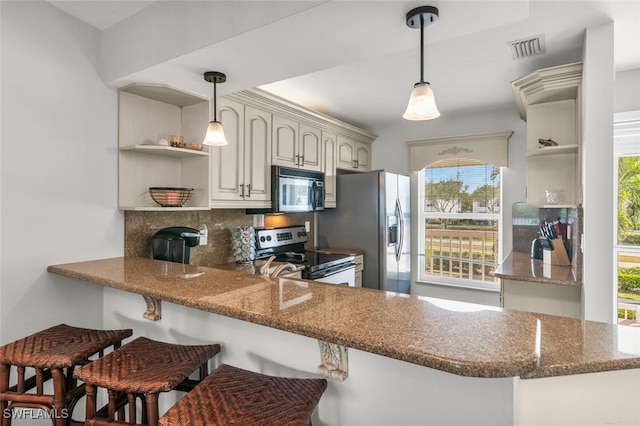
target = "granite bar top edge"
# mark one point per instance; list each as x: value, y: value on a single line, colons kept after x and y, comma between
x: 525, y: 365
x: 519, y: 266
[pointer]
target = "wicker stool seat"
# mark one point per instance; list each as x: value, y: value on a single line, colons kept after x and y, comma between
x: 141, y: 369
x: 233, y: 396
x: 52, y: 354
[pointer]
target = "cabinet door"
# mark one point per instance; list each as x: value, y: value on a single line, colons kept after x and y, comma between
x: 257, y: 150
x: 310, y: 148
x: 284, y: 148
x: 345, y: 154
x: 329, y: 167
x: 227, y: 162
x: 363, y: 157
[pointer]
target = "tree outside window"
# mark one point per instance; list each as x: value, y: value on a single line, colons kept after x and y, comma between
x: 461, y: 213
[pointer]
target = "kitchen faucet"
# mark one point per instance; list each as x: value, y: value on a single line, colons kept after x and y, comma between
x: 264, y: 268
x: 281, y: 268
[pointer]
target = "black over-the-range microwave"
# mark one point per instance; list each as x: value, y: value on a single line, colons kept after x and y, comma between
x: 294, y: 191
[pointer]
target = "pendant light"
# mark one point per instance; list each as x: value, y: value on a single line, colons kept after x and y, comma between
x: 215, y: 133
x: 422, y: 103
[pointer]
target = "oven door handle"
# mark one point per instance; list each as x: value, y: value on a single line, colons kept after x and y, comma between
x: 332, y: 270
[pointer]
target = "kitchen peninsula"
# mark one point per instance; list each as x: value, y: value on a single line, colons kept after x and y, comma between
x: 411, y: 360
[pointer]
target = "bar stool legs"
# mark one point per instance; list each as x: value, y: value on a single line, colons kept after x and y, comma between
x: 141, y: 370
x: 53, y: 354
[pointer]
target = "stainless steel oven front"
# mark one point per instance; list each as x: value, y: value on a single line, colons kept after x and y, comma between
x: 342, y: 274
x: 286, y: 244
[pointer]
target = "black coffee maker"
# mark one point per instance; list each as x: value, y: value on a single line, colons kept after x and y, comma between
x: 173, y: 244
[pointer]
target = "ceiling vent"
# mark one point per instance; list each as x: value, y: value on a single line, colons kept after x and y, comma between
x: 527, y: 47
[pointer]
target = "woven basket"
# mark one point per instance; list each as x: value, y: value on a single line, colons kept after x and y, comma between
x: 169, y: 196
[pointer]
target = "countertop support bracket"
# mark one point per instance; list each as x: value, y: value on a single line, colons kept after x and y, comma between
x: 334, y: 362
x: 154, y: 308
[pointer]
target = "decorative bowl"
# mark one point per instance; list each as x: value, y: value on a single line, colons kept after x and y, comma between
x: 170, y: 196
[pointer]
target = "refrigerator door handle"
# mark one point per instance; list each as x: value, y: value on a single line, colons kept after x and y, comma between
x: 400, y: 215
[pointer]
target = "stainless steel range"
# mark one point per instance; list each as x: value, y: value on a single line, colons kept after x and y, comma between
x: 287, y: 245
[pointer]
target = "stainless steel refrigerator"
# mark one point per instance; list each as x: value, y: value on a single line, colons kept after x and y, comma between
x: 372, y: 215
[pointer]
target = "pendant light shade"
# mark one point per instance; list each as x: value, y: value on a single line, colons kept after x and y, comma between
x: 215, y: 135
x: 422, y: 103
x: 215, y: 132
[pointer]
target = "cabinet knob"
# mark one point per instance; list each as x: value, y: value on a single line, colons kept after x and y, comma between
x: 242, y: 190
x: 249, y: 191
x: 301, y: 160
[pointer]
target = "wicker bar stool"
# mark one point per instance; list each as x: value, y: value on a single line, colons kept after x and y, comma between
x: 233, y: 396
x: 52, y: 354
x: 141, y: 369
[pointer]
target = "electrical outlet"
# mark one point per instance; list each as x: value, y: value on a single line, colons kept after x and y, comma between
x: 307, y: 226
x: 204, y: 233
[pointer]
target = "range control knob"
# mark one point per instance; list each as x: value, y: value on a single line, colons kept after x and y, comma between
x: 262, y: 239
x: 268, y: 237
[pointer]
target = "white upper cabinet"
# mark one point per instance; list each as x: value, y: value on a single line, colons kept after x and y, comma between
x: 262, y: 130
x: 257, y: 136
x: 329, y: 143
x: 295, y: 145
x: 240, y: 175
x: 549, y: 100
x: 310, y: 148
x: 353, y: 155
x: 146, y: 114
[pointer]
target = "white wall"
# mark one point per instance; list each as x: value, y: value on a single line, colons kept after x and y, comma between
x: 379, y: 391
x: 625, y: 91
x: 598, y: 289
x: 58, y: 168
x: 391, y: 153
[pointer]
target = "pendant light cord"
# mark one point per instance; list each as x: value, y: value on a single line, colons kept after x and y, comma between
x: 215, y: 107
x: 421, y: 49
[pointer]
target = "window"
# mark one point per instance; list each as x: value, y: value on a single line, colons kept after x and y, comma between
x: 627, y: 247
x: 459, y: 222
x: 459, y: 207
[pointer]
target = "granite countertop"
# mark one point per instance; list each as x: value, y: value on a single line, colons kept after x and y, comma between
x: 519, y: 266
x: 460, y: 338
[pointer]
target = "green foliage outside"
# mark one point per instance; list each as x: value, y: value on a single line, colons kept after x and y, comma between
x: 629, y: 199
x: 630, y: 314
x: 630, y: 238
x: 629, y: 283
x: 628, y: 227
x: 452, y: 195
x: 629, y: 288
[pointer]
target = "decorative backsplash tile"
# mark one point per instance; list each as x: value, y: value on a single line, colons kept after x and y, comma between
x: 139, y: 227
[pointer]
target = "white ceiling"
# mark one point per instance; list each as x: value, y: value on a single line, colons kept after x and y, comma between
x: 367, y: 59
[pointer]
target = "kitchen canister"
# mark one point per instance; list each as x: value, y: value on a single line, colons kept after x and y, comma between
x: 244, y: 244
